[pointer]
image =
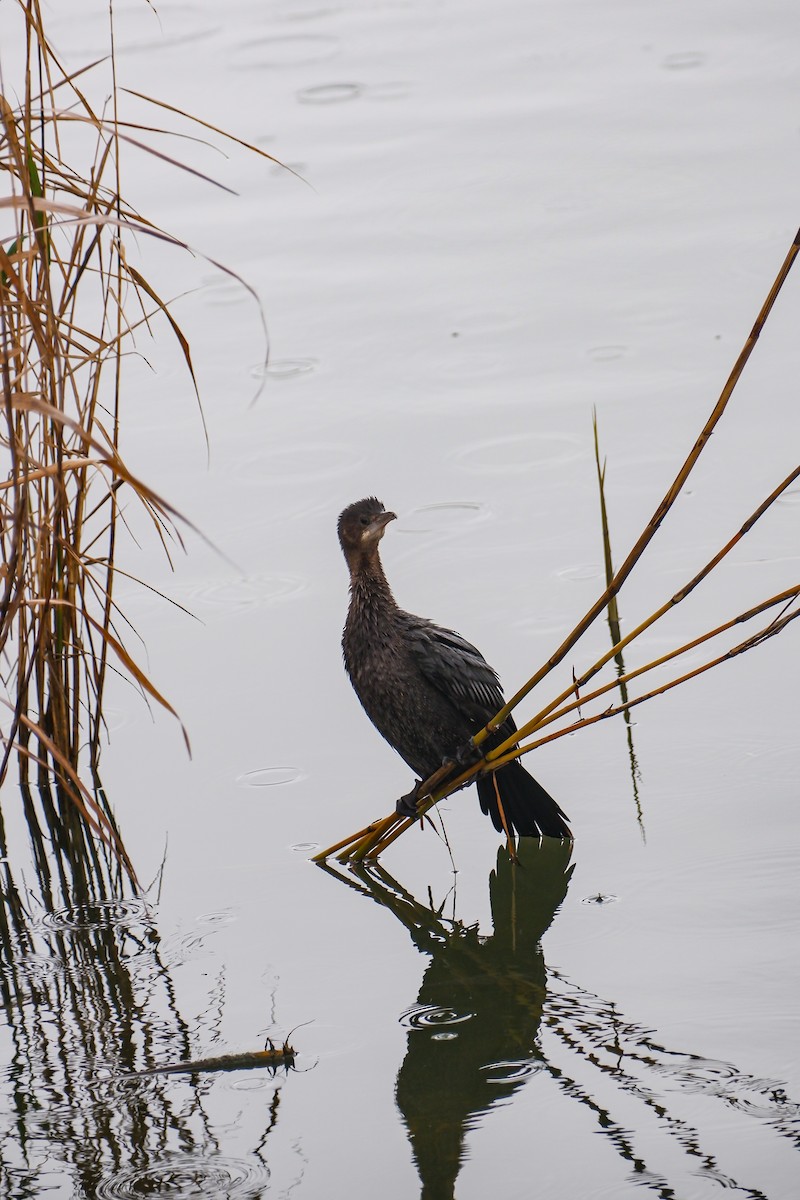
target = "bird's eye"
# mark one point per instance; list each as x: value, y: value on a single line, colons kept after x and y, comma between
x: 364, y: 519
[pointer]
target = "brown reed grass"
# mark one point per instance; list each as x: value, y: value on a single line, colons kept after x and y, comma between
x: 72, y: 301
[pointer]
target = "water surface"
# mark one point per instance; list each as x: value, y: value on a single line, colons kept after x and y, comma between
x: 512, y: 213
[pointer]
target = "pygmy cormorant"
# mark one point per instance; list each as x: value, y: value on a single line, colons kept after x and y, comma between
x: 426, y: 689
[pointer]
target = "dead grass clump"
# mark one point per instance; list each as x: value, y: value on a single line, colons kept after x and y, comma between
x: 71, y: 303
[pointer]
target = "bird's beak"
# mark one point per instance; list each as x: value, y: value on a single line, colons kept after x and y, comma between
x: 379, y: 523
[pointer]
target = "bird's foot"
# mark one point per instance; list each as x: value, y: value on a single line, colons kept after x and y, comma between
x: 407, y: 805
x: 464, y: 756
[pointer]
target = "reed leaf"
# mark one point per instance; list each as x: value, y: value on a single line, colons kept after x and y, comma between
x: 71, y: 299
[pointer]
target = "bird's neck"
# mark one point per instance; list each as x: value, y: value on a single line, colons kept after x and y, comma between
x: 369, y: 587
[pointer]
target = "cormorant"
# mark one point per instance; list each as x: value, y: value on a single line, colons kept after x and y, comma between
x: 426, y: 689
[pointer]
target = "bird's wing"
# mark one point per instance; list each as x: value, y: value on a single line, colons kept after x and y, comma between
x: 456, y: 668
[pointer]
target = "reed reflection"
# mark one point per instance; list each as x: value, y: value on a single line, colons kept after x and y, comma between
x: 91, y: 1014
x: 490, y: 1015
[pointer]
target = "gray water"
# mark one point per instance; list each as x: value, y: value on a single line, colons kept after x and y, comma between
x: 508, y: 214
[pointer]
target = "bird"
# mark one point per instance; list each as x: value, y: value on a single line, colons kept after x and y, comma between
x: 427, y: 690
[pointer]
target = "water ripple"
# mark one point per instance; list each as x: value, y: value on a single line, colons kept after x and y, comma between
x: 516, y: 453
x: 298, y: 463
x: 214, y: 920
x: 289, y: 368
x: 764, y: 1099
x: 286, y: 50
x: 513, y: 1069
x: 239, y: 595
x: 579, y: 573
x: 270, y: 777
x: 184, y: 1176
x: 431, y: 517
x: 330, y: 93
x: 101, y: 914
x: 248, y: 1083
x: 685, y: 60
x: 36, y: 967
x: 224, y: 292
x: 432, y: 1016
x: 183, y: 949
x: 606, y: 353
x: 132, y: 37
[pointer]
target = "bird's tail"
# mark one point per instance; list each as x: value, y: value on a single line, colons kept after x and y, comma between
x: 528, y: 809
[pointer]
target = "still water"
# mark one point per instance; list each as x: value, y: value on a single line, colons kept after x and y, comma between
x: 507, y: 214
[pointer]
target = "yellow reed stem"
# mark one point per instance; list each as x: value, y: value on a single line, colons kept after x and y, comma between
x: 666, y: 504
x: 613, y: 711
x: 354, y: 837
x: 541, y: 717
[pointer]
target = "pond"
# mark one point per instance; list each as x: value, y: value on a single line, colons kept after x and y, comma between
x: 500, y: 216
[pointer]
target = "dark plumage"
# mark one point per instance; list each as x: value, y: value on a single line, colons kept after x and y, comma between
x: 426, y: 689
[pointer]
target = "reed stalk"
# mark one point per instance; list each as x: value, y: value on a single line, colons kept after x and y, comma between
x: 369, y: 844
x: 72, y: 301
x: 653, y: 525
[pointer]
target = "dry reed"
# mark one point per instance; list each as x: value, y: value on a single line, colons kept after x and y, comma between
x: 374, y: 839
x: 72, y: 301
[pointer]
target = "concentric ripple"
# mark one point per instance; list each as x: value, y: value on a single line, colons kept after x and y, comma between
x: 36, y: 967
x: 512, y: 1070
x: 330, y: 93
x: 184, y: 1176
x: 600, y: 898
x: 239, y: 595
x: 606, y: 353
x: 101, y: 914
x: 516, y: 453
x: 217, y: 920
x: 430, y: 518
x: 270, y: 777
x: 433, y: 1016
x: 286, y: 50
x: 298, y: 463
x: 290, y: 368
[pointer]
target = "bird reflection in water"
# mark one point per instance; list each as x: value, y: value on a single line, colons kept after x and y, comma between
x: 473, y: 1034
x: 499, y: 983
x: 490, y: 1014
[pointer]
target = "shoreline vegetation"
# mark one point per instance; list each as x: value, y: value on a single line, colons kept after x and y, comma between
x: 73, y: 303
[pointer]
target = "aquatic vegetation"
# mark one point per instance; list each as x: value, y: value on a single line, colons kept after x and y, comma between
x: 569, y: 705
x: 73, y: 304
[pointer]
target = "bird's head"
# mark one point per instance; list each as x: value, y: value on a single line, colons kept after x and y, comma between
x: 361, y: 527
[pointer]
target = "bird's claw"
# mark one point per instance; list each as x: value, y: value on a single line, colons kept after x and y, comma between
x: 464, y: 756
x: 407, y: 805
